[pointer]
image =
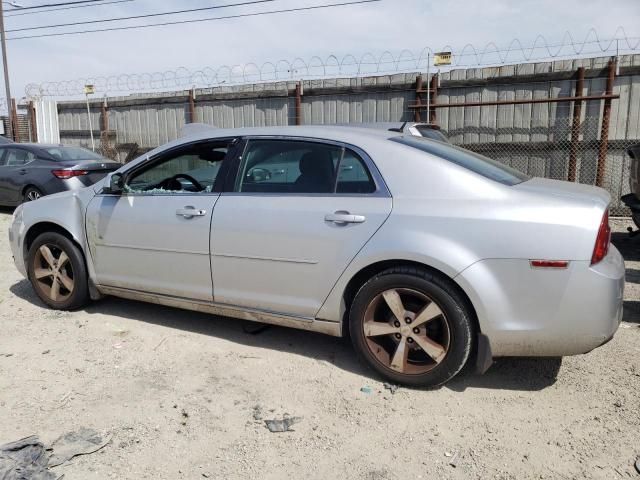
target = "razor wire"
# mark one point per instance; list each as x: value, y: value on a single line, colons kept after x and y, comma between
x: 334, y: 66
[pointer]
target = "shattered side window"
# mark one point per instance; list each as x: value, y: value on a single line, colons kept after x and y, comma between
x: 192, y: 170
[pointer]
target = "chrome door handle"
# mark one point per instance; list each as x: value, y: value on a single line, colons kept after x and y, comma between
x: 190, y: 212
x: 342, y: 218
x: 22, y: 171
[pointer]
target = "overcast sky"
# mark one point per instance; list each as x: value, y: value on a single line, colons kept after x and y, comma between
x: 391, y: 25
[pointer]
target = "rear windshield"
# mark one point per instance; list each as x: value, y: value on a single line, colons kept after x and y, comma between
x: 72, y: 153
x: 472, y: 161
x: 432, y: 133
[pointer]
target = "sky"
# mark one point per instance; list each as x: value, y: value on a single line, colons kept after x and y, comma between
x: 387, y: 25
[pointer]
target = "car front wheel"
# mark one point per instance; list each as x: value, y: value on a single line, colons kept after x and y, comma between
x: 411, y: 326
x: 57, y: 272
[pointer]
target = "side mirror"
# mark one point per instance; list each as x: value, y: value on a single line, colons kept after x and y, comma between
x: 114, y: 184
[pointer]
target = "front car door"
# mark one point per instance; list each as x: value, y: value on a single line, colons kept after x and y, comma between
x: 154, y: 237
x: 298, y: 213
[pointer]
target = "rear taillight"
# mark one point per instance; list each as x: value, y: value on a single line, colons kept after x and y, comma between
x: 601, y: 247
x: 66, y: 173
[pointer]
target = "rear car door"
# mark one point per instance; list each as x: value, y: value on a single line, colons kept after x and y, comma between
x: 154, y: 237
x: 297, y: 214
x: 14, y: 169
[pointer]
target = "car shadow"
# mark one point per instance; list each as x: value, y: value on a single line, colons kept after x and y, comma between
x: 7, y: 210
x: 505, y: 374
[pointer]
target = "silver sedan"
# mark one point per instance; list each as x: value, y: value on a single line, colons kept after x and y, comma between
x: 427, y: 255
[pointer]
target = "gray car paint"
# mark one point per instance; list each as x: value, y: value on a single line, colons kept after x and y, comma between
x: 478, y: 232
x: 15, y: 179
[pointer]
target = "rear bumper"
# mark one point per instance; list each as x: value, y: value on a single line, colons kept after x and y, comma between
x: 543, y: 312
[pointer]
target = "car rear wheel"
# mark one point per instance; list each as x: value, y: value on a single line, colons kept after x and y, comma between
x: 31, y: 194
x: 411, y: 326
x: 57, y: 272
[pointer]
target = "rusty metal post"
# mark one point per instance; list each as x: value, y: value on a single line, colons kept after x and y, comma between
x: 575, y: 127
x: 14, y: 117
x: 604, y: 132
x: 105, y: 116
x: 298, y: 112
x: 434, y: 93
x: 192, y: 106
x: 416, y: 112
x: 33, y: 122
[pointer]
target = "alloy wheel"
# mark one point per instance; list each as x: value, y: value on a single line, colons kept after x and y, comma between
x: 33, y: 195
x: 406, y: 331
x: 53, y: 272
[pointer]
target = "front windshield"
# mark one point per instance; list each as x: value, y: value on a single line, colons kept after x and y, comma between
x: 72, y: 153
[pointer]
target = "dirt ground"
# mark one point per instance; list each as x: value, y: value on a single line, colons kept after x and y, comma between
x: 184, y: 395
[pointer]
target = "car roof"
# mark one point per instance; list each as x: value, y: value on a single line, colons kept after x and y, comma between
x: 327, y: 132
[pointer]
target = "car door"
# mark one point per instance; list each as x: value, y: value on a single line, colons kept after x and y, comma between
x: 14, y: 165
x: 298, y: 213
x: 154, y: 237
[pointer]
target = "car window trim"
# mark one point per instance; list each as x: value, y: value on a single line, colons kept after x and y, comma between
x: 381, y: 187
x: 22, y: 149
x: 150, y: 161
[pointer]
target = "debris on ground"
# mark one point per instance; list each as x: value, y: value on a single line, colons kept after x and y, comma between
x: 46, y: 351
x: 366, y: 390
x: 638, y: 464
x: 392, y: 388
x: 257, y: 412
x: 72, y: 444
x: 25, y: 459
x: 454, y: 460
x: 283, y: 425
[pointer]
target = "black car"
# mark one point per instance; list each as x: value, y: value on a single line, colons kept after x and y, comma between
x: 632, y: 200
x: 29, y: 170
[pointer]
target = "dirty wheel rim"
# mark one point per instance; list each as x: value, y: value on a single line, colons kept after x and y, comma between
x: 406, y: 331
x: 53, y: 272
x: 33, y: 195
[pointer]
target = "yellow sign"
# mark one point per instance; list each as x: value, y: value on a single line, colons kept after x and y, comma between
x: 89, y: 89
x: 442, y: 58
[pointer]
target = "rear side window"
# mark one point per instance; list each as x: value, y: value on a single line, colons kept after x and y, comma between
x: 301, y: 167
x: 15, y: 157
x: 471, y: 161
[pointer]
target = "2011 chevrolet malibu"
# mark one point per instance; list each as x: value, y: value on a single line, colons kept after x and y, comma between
x: 427, y: 255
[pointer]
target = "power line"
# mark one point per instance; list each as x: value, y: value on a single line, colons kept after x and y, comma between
x: 14, y: 13
x: 59, y: 4
x: 253, y: 2
x: 198, y: 20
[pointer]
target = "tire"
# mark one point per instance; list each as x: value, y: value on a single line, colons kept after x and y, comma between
x: 44, y: 267
x: 31, y: 194
x: 437, y: 343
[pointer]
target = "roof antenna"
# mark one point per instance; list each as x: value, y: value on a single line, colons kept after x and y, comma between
x: 400, y: 130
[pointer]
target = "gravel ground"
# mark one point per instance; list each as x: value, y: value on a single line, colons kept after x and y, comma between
x: 184, y: 395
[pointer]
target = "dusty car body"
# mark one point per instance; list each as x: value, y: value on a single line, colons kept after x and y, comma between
x: 429, y: 255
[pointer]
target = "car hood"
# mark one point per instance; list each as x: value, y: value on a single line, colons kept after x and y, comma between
x: 584, y: 194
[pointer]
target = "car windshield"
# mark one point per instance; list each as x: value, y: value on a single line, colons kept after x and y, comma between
x: 72, y: 153
x: 471, y: 161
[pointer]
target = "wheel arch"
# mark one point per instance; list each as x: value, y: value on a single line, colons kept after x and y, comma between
x: 364, y: 274
x: 28, y: 186
x: 39, y: 228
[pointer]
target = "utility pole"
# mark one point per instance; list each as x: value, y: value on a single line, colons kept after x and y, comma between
x: 6, y: 72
